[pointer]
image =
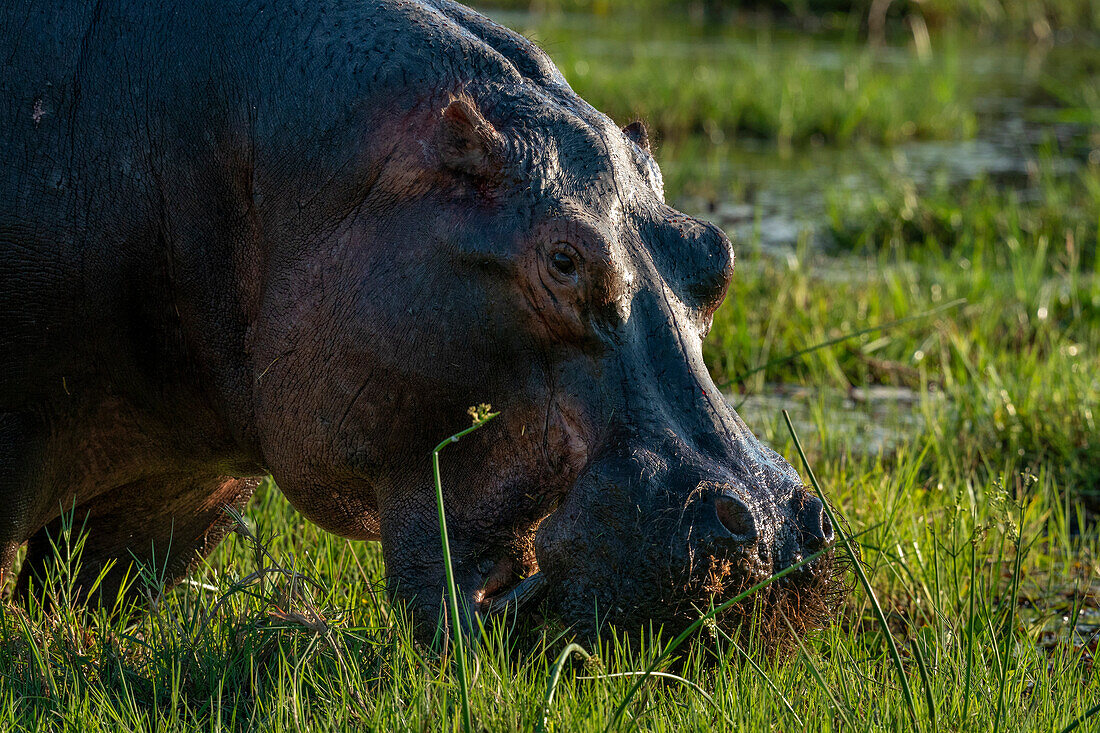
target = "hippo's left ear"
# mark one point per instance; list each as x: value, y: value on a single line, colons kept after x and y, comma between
x: 467, y: 142
x: 637, y: 133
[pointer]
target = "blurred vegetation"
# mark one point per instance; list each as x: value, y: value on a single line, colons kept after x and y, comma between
x: 776, y: 91
x: 764, y: 83
x: 1034, y: 18
x: 899, y: 216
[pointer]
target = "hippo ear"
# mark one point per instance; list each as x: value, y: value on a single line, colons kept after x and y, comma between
x: 467, y: 142
x: 638, y: 134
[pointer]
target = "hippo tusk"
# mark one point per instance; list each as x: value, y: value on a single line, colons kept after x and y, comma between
x: 529, y: 590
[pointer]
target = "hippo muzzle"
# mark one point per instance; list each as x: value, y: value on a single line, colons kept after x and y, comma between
x: 656, y: 531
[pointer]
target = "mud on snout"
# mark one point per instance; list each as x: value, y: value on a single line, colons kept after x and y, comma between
x: 638, y: 544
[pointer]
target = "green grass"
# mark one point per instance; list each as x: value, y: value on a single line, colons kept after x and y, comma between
x: 284, y: 657
x: 1015, y: 369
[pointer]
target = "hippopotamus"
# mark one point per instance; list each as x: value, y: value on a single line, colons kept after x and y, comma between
x: 301, y: 238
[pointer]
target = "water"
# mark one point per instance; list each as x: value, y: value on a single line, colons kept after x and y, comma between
x: 873, y: 420
x: 784, y: 200
x: 1060, y: 634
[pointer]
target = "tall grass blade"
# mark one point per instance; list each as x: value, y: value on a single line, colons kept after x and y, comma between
x: 861, y: 575
x: 926, y: 683
x: 970, y: 625
x: 480, y: 418
x: 1009, y: 642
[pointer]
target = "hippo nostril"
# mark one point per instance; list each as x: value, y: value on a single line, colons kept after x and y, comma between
x: 815, y: 526
x: 735, y: 516
x: 827, y: 528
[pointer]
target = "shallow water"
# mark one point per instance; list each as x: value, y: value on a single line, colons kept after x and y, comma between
x: 874, y: 420
x: 785, y: 199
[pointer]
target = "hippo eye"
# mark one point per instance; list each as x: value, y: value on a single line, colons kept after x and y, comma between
x: 563, y: 264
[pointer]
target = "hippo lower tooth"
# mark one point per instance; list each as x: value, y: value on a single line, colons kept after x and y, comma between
x: 529, y: 590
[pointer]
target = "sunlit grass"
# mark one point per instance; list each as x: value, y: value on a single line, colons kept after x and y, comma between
x: 1015, y: 369
x: 298, y: 657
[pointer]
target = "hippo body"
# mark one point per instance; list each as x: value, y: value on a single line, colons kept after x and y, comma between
x: 302, y: 238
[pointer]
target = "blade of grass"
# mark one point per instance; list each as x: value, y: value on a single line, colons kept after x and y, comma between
x: 970, y: 624
x: 1009, y: 642
x: 926, y: 683
x: 480, y: 418
x: 860, y: 574
x: 552, y: 683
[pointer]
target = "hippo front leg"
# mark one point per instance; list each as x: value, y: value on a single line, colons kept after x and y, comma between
x: 18, y: 440
x: 167, y: 524
x: 415, y: 575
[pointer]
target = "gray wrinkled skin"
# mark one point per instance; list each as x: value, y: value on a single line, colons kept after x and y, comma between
x: 302, y: 238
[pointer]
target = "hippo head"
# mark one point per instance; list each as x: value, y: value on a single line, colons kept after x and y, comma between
x: 508, y: 244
